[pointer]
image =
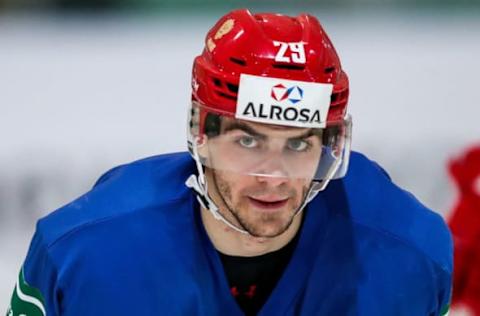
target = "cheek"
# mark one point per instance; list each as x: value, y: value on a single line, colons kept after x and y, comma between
x: 301, y: 187
x: 232, y: 185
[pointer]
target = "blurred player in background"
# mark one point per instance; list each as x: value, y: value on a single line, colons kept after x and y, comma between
x: 465, y: 225
x: 260, y: 217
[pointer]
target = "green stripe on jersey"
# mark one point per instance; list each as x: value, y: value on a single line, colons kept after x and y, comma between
x: 445, y: 311
x: 26, y: 300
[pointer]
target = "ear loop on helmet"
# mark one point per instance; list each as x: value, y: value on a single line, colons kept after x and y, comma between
x: 199, y: 185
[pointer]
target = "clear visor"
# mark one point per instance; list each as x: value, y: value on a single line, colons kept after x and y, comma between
x: 250, y: 148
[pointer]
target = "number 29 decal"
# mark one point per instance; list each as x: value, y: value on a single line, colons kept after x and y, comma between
x: 290, y: 52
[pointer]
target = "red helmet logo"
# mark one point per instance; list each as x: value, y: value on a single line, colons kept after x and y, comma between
x: 279, y: 92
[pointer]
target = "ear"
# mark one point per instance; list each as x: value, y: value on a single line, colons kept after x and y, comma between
x: 202, y: 149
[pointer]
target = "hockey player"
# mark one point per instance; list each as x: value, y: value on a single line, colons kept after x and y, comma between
x: 465, y: 225
x: 259, y: 218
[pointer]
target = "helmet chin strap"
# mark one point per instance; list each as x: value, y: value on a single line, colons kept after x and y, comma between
x: 199, y: 185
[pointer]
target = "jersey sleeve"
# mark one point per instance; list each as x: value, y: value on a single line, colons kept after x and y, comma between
x: 34, y: 292
x: 445, y: 276
x: 445, y: 295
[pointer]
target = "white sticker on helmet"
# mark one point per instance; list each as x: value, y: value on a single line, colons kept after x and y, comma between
x: 283, y: 102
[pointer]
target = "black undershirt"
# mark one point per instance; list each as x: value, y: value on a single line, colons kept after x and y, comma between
x: 252, y: 279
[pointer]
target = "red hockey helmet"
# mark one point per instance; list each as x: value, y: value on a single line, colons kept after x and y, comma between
x: 270, y: 69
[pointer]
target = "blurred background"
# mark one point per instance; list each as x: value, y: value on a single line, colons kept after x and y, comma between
x: 89, y: 84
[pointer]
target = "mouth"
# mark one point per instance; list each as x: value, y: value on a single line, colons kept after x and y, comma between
x: 268, y: 204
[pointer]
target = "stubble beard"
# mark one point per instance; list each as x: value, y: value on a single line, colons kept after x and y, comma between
x: 266, y: 225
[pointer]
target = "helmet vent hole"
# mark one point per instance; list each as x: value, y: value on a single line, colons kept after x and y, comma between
x: 334, y: 98
x: 217, y: 82
x: 289, y: 66
x: 329, y: 70
x: 227, y: 96
x: 233, y: 88
x: 238, y: 61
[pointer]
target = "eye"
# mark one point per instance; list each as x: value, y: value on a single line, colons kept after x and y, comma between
x: 298, y: 144
x: 248, y: 141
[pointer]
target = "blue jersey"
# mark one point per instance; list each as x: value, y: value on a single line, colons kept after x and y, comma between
x: 135, y: 245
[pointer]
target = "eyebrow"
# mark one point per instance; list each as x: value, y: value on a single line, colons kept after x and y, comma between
x: 251, y: 131
x: 244, y: 127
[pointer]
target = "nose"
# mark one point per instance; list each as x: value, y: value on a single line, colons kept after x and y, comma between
x: 272, y: 170
x: 272, y: 180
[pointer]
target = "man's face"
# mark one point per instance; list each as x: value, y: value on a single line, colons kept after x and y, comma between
x: 260, y: 174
